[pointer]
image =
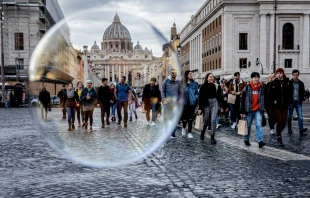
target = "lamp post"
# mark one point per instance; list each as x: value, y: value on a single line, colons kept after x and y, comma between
x: 2, y: 57
x: 85, y: 63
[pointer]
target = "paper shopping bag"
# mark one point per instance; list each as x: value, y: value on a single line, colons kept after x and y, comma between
x: 199, y: 122
x: 242, y: 128
x: 143, y: 109
x: 231, y: 99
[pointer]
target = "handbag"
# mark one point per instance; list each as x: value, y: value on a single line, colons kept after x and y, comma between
x: 243, y: 127
x: 199, y: 122
x: 231, y: 99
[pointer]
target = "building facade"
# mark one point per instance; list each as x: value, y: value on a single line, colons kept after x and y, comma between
x: 117, y: 56
x: 25, y: 23
x: 226, y: 36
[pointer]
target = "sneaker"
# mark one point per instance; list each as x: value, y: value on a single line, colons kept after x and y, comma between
x: 233, y: 126
x: 218, y: 126
x: 173, y: 137
x: 148, y: 123
x: 272, y: 132
x: 90, y: 129
x: 183, y: 132
x: 119, y: 123
x: 189, y: 135
x: 302, y: 131
x: 153, y: 123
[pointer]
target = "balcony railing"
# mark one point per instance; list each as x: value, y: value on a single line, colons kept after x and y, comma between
x: 294, y: 48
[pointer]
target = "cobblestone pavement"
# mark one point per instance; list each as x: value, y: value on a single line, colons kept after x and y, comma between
x: 182, y: 167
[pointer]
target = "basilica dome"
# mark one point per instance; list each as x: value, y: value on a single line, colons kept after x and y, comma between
x: 95, y: 46
x: 138, y: 46
x: 116, y: 30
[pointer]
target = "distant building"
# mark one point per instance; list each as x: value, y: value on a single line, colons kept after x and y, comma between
x: 227, y: 36
x: 116, y: 56
x: 25, y: 23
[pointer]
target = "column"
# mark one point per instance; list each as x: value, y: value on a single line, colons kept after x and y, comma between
x: 113, y: 73
x: 271, y: 43
x: 305, y: 42
x: 108, y: 71
x: 119, y: 73
x: 125, y: 72
x: 263, y: 41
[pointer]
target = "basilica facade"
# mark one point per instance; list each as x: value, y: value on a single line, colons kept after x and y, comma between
x: 118, y: 56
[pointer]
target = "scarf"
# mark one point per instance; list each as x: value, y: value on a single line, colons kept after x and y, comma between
x: 112, y: 90
x: 70, y: 93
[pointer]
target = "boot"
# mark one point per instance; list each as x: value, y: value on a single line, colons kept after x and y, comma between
x: 247, y: 142
x: 73, y: 127
x: 261, y: 144
x: 302, y: 131
x: 130, y: 119
x: 280, y: 143
x: 108, y: 122
x: 69, y: 129
x: 289, y: 126
x: 136, y: 116
x: 213, y: 142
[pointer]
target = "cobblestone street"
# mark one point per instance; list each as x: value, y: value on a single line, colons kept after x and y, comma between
x: 182, y: 167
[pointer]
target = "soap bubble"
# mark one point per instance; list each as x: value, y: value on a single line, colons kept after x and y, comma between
x: 55, y: 62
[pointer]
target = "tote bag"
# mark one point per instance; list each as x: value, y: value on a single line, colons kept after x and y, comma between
x: 231, y: 99
x: 242, y: 128
x: 199, y: 122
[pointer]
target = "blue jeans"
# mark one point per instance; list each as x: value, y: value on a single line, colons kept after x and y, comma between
x: 257, y: 115
x: 233, y: 113
x: 298, y: 106
x: 217, y: 120
x: 71, y: 115
x: 113, y: 107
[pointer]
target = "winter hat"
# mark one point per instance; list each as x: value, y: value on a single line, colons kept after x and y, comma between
x: 280, y: 70
x: 255, y: 74
x: 89, y: 81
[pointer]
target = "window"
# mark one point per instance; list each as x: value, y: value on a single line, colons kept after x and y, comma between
x: 220, y: 20
x: 19, y: 41
x: 288, y: 36
x: 19, y: 63
x: 243, y: 41
x: 146, y: 56
x: 220, y: 63
x: 243, y: 63
x: 215, y: 22
x: 288, y: 63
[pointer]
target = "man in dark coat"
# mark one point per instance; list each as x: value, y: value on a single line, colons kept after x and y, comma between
x: 60, y: 95
x: 45, y: 99
x: 298, y: 98
x: 104, y: 98
x: 280, y: 95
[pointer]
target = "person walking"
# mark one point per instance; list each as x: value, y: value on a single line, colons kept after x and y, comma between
x: 60, y: 95
x: 79, y: 108
x: 190, y: 103
x: 104, y: 97
x: 235, y: 88
x: 171, y: 95
x: 280, y: 95
x: 123, y: 95
x: 268, y: 106
x: 113, y: 102
x: 151, y: 98
x: 70, y: 102
x: 134, y: 104
x: 298, y: 98
x: 210, y: 97
x: 45, y: 100
x: 88, y: 98
x: 252, y: 107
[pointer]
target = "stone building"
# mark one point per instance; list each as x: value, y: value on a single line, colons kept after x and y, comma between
x: 117, y: 56
x: 227, y: 36
x: 25, y: 23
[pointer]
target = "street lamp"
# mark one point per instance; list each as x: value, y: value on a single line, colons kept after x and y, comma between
x: 179, y: 49
x: 85, y: 63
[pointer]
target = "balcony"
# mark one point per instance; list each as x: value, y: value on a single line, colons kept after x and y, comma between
x: 289, y: 49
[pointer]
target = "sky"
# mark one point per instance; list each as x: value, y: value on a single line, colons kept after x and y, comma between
x: 90, y: 25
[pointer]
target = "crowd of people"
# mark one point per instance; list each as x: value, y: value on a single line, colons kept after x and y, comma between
x: 235, y: 98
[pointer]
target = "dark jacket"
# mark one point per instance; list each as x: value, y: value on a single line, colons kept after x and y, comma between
x: 246, y: 99
x: 45, y: 98
x: 70, y: 102
x: 87, y: 104
x: 283, y: 96
x: 104, y: 96
x: 147, y: 94
x: 203, y: 95
x: 113, y: 97
x: 301, y: 90
x: 60, y: 95
x: 191, y: 94
x: 266, y: 88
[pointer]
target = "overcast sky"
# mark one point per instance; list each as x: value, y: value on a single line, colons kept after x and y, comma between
x: 160, y: 13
